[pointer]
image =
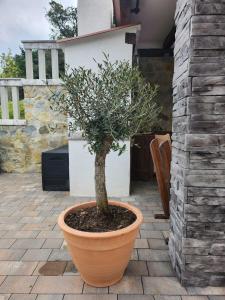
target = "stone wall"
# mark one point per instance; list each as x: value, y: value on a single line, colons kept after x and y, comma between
x: 159, y: 71
x: 197, y: 242
x: 21, y: 146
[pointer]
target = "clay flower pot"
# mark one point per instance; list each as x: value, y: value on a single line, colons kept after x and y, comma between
x: 101, y: 258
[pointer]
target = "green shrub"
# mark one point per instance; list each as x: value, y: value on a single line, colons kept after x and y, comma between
x: 10, y: 106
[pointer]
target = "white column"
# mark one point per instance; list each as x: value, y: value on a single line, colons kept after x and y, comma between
x: 41, y: 64
x: 15, y: 99
x: 29, y: 64
x: 55, y: 63
x: 4, y: 102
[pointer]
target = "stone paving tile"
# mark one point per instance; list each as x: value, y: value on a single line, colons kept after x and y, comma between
x: 49, y: 297
x: 50, y: 234
x: 58, y: 285
x: 2, y: 233
x: 153, y: 255
x: 28, y: 243
x: 141, y: 244
x: 93, y: 290
x: 51, y: 268
x: 11, y: 254
x: 37, y: 226
x: 36, y: 255
x: 52, y: 243
x: 17, y: 267
x: 195, y: 298
x: 6, y: 243
x: 31, y: 220
x: 160, y: 269
x: 128, y: 285
x: 219, y: 291
x: 59, y: 254
x: 137, y: 268
x: 23, y: 297
x: 134, y: 255
x: 163, y: 286
x: 216, y: 297
x: 157, y: 244
x: 157, y: 297
x: 90, y: 297
x: 21, y: 234
x: 4, y: 296
x: 18, y: 284
x: 135, y: 297
x: 151, y: 234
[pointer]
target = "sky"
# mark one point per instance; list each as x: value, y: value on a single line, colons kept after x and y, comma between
x: 24, y: 20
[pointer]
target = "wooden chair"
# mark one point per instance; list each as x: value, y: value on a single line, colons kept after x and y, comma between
x: 161, y: 156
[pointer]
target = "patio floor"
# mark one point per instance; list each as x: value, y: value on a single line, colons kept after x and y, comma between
x: 34, y: 263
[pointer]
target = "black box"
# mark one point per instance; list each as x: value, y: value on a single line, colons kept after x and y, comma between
x: 55, y: 169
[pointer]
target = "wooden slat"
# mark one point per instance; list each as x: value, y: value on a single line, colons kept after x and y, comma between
x: 4, y: 102
x: 15, y: 99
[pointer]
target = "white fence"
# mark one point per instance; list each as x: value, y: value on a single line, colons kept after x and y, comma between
x: 9, y: 91
x: 42, y: 47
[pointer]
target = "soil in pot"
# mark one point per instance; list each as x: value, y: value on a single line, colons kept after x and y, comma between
x: 90, y: 220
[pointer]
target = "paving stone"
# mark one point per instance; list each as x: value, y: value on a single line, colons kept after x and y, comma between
x: 219, y: 291
x: 216, y: 297
x: 17, y: 267
x: 52, y: 243
x: 11, y: 254
x: 157, y: 297
x: 137, y: 268
x: 50, y: 268
x: 141, y: 243
x: 153, y: 255
x: 18, y: 284
x: 158, y: 269
x: 21, y: 234
x: 50, y: 234
x: 134, y: 255
x: 49, y: 297
x: 151, y: 234
x: 163, y: 286
x: 23, y: 297
x: 195, y: 298
x: 6, y: 243
x: 59, y: 254
x: 28, y: 243
x: 128, y: 285
x: 157, y: 244
x: 58, y: 285
x: 135, y: 297
x: 37, y: 226
x: 4, y: 296
x: 36, y: 255
x: 93, y: 290
x: 90, y: 297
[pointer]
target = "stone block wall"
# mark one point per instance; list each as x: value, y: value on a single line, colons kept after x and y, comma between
x: 21, y: 146
x: 197, y: 242
x: 159, y: 71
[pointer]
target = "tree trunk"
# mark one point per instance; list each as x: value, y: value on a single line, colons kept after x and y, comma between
x: 100, y: 183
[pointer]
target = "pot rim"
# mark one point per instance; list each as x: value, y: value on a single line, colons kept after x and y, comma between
x: 102, y: 235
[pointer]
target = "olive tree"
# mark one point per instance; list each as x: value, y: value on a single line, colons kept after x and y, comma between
x: 109, y: 105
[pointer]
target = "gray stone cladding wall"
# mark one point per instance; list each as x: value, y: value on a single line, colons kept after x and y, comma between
x: 197, y: 242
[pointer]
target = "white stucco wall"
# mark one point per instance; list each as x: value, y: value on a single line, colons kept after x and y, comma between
x: 81, y: 53
x: 94, y: 15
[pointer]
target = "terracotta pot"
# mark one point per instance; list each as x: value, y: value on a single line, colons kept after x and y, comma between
x: 101, y: 258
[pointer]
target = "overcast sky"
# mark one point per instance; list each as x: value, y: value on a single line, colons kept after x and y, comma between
x: 23, y: 20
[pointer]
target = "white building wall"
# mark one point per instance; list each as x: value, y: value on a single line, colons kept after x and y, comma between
x: 94, y: 15
x: 82, y: 53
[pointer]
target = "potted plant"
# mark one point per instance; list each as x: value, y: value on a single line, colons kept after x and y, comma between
x: 108, y: 106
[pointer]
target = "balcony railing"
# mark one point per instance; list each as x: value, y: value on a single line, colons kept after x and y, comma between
x: 9, y: 92
x: 42, y: 47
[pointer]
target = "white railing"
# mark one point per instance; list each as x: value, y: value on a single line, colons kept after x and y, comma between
x: 9, y: 91
x: 42, y: 47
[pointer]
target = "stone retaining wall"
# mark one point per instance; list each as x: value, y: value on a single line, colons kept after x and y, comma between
x: 197, y: 242
x: 21, y: 146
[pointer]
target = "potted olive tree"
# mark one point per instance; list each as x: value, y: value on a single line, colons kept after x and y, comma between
x: 108, y: 106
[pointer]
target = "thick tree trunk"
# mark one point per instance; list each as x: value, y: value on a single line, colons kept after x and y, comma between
x: 100, y: 183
